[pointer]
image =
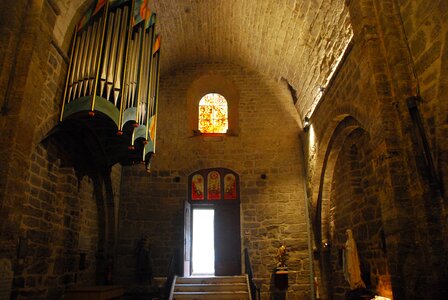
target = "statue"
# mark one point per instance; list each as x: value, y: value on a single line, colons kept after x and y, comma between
x: 143, y: 268
x: 352, y: 271
x: 281, y: 256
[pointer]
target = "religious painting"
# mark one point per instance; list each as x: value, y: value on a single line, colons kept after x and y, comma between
x: 230, y: 187
x: 213, y: 186
x: 197, y: 187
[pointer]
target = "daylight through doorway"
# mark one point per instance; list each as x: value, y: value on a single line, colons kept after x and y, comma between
x: 203, y: 242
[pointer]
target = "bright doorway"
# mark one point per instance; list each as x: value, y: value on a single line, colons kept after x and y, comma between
x: 203, y: 260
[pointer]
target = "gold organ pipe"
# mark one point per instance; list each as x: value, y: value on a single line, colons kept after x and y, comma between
x: 150, y: 64
x: 106, y: 53
x: 83, y: 75
x: 96, y: 58
x: 78, y: 64
x: 156, y: 98
x: 113, y: 54
x: 88, y: 70
x: 135, y: 70
x: 151, y: 67
x: 119, y: 65
x: 126, y: 70
x: 129, y: 62
x: 72, y: 66
x: 131, y: 74
x: 139, y: 75
x: 128, y: 67
x: 144, y: 77
x: 95, y: 86
x: 68, y: 76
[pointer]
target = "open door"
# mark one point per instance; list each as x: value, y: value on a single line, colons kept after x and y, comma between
x: 187, y: 239
x: 216, y: 189
x: 227, y: 240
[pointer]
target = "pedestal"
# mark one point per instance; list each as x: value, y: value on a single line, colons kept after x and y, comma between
x: 281, y: 278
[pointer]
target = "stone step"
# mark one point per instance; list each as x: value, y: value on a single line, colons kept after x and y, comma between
x: 207, y: 280
x: 210, y: 287
x: 235, y: 295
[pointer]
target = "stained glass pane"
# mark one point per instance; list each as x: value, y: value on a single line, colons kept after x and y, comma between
x: 197, y: 187
x: 230, y: 186
x: 213, y: 114
x: 213, y: 186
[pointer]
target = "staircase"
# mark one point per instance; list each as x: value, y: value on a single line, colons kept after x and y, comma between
x: 218, y: 287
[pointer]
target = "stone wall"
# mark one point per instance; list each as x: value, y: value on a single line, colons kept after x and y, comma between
x: 370, y: 91
x: 151, y: 207
x: 268, y: 143
x: 52, y: 218
x: 62, y: 233
x: 426, y: 27
x: 60, y: 216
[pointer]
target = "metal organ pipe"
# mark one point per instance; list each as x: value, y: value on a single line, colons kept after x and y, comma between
x: 119, y: 65
x: 72, y: 67
x: 106, y: 53
x: 83, y: 72
x: 113, y: 54
x: 112, y: 59
x: 95, y: 49
x: 78, y: 64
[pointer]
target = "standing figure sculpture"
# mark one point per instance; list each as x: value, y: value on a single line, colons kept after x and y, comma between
x: 281, y: 256
x: 352, y: 271
x: 143, y: 268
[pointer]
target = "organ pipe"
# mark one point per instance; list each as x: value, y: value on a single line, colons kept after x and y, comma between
x: 125, y: 88
x: 113, y: 60
x: 67, y: 81
x: 100, y: 52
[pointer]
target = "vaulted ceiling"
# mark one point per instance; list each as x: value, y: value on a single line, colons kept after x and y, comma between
x: 296, y: 40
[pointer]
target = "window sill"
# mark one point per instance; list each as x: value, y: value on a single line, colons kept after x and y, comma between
x: 213, y: 136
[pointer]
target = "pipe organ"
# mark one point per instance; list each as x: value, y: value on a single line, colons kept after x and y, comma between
x: 111, y: 92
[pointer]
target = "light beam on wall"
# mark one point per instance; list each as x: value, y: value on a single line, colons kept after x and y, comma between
x: 320, y: 90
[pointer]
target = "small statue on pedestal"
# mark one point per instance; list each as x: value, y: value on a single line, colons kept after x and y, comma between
x: 282, y: 256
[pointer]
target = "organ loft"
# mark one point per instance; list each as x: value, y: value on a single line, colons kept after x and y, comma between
x: 223, y: 149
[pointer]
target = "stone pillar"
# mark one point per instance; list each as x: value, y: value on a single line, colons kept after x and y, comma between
x: 413, y: 224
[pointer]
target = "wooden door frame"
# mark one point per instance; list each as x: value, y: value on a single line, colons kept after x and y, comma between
x: 205, y: 203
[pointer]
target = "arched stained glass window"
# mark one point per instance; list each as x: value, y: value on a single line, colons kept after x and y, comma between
x: 197, y: 187
x: 230, y: 186
x: 213, y: 185
x: 213, y: 114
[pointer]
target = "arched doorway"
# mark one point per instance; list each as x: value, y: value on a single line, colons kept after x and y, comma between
x: 214, y: 194
x: 348, y: 199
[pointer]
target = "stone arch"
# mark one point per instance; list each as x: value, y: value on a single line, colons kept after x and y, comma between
x: 346, y: 127
x: 68, y: 13
x: 329, y: 148
x: 348, y: 115
x: 350, y: 142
